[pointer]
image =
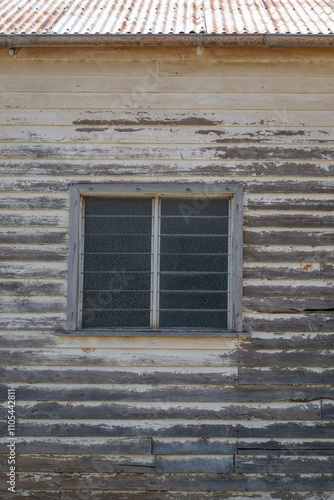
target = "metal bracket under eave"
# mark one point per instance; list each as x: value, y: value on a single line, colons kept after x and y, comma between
x: 199, y: 45
x: 14, y: 51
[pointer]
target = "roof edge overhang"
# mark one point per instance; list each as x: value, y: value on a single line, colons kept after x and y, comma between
x: 170, y: 40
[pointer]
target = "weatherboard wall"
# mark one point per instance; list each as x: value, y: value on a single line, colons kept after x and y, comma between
x: 171, y: 418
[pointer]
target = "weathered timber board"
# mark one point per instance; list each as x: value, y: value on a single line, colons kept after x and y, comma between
x: 281, y: 104
x: 167, y: 117
x: 29, y: 253
x: 149, y: 482
x: 290, y: 305
x: 114, y: 375
x: 276, y: 375
x: 283, y: 464
x: 174, y: 84
x: 152, y: 410
x: 93, y: 445
x: 198, y: 166
x: 203, y: 464
x: 220, y: 358
x: 36, y: 270
x: 82, y: 463
x: 161, y: 152
x: 159, y: 135
x: 228, y: 394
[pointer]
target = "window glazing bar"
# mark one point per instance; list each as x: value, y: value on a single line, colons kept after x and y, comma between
x: 156, y: 224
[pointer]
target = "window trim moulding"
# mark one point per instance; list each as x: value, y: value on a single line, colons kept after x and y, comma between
x: 233, y: 190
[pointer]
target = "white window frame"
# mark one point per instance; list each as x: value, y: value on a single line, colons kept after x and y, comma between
x: 231, y: 190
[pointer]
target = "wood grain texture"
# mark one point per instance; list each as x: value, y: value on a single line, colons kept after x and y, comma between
x: 158, y: 482
x: 156, y: 417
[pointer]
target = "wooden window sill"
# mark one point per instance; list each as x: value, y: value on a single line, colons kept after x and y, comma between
x: 150, y: 333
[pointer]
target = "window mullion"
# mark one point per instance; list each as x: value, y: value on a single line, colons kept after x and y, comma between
x: 155, y: 271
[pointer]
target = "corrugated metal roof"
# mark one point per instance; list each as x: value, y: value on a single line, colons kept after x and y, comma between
x: 167, y: 16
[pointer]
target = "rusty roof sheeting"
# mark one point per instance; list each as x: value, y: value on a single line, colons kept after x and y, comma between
x: 153, y: 17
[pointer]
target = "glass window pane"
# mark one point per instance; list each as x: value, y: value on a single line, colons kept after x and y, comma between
x: 117, y: 263
x: 193, y: 319
x: 198, y: 206
x: 194, y: 263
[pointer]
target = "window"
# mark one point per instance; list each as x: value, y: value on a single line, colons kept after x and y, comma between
x: 155, y: 256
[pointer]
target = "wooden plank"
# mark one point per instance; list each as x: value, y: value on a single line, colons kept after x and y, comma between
x: 37, y: 236
x: 286, y: 375
x: 33, y: 287
x: 153, y: 83
x: 254, y: 173
x: 177, y: 482
x: 30, y: 253
x: 193, y: 446
x: 40, y: 270
x: 292, y: 220
x: 252, y: 185
x: 230, y: 54
x: 181, y: 117
x: 214, y: 67
x: 283, y: 271
x: 307, y: 322
x: 33, y: 202
x: 327, y: 410
x: 109, y: 357
x: 103, y: 151
x: 194, y: 463
x: 295, y: 202
x: 93, y: 445
x: 113, y: 375
x: 299, y: 341
x: 162, y: 495
x: 201, y: 429
x: 290, y: 305
x: 283, y: 464
x: 286, y: 253
x: 281, y: 103
x: 310, y: 446
x: 158, y: 135
x: 166, y: 411
x: 327, y: 270
x: 87, y: 356
x: 43, y: 339
x: 288, y: 237
x: 176, y: 393
x: 32, y: 321
x: 198, y: 66
x: 32, y: 305
x: 81, y: 463
x: 36, y: 218
x: 288, y: 288
x: 89, y: 67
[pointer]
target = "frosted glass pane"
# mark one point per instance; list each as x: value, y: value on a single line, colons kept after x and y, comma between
x: 194, y: 262
x: 117, y: 206
x: 117, y: 243
x: 193, y: 244
x: 118, y: 225
x: 172, y: 281
x: 193, y: 319
x: 194, y: 225
x: 116, y: 319
x: 116, y: 300
x: 185, y: 207
x: 193, y: 300
x: 117, y: 263
x: 105, y: 262
x: 116, y: 281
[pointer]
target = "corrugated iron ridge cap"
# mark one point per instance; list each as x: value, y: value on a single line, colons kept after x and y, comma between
x: 170, y: 40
